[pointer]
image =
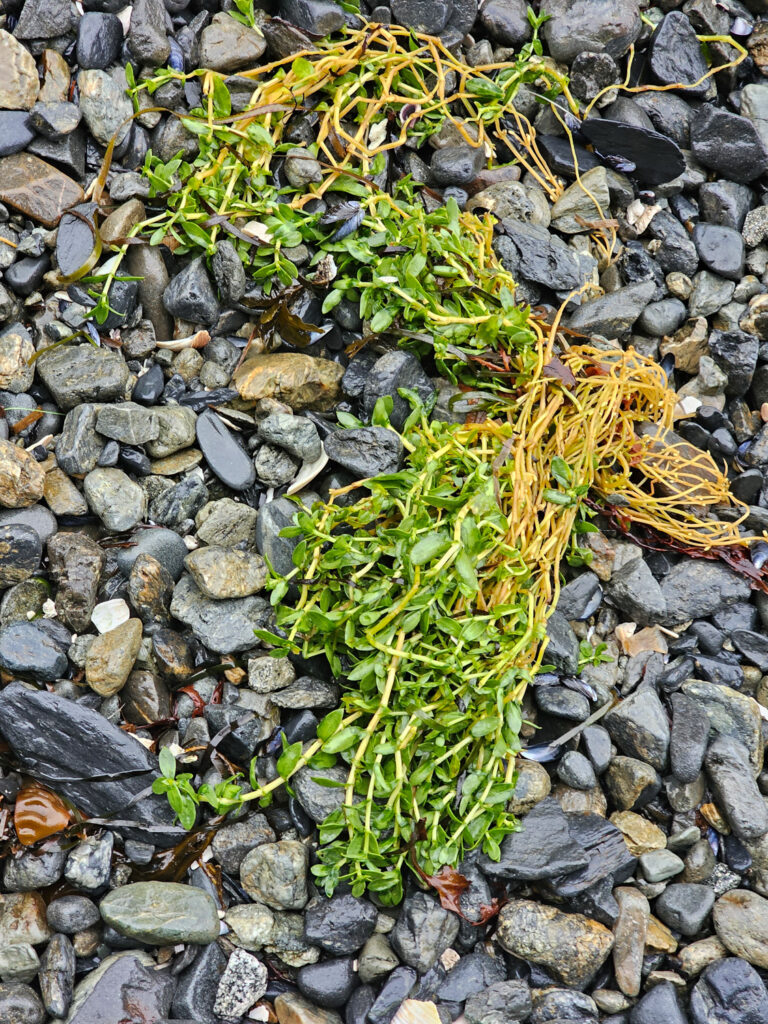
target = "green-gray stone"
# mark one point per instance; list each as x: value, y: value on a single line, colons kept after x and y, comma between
x: 162, y: 913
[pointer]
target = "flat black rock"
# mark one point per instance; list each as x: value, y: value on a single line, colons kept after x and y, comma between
x: 606, y: 852
x: 544, y: 848
x: 675, y: 56
x: 656, y: 158
x: 557, y: 152
x: 110, y: 769
x: 231, y: 463
x: 26, y: 649
x: 365, y: 451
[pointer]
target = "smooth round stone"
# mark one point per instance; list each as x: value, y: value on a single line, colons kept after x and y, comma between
x: 26, y: 275
x: 70, y: 914
x: 329, y: 983
x: 38, y: 517
x: 685, y: 906
x: 149, y: 386
x: 575, y: 770
x: 99, y: 38
x: 76, y: 238
x: 19, y: 1004
x: 659, y: 865
x: 162, y: 913
x: 26, y: 649
x: 231, y: 463
x: 340, y: 925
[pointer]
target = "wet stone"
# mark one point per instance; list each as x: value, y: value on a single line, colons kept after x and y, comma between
x: 26, y: 649
x: 176, y: 426
x: 365, y: 451
x: 340, y: 925
x: 127, y: 422
x: 19, y: 963
x: 543, y: 848
x: 57, y: 975
x: 740, y: 918
x: 115, y: 498
x: 423, y: 931
x: 221, y: 573
x: 70, y: 914
x: 146, y: 38
x: 150, y: 587
x: 223, y: 625
x: 190, y: 296
x: 243, y: 982
x: 16, y: 349
x: 675, y: 56
x: 111, y: 656
x: 20, y: 553
x: 196, y: 989
x: 298, y: 380
x: 79, y: 447
x: 76, y: 564
x: 164, y: 545
x: 728, y: 144
x: 578, y: 26
x: 276, y: 874
x: 99, y: 38
x: 19, y: 1004
x: 227, y: 46
x: 224, y: 455
x: 28, y: 872
x: 721, y: 249
x: 104, y: 106
x: 502, y: 1003
x: 54, y: 119
x: 82, y: 373
x: 730, y: 991
x: 161, y: 913
x: 570, y: 946
x: 124, y: 986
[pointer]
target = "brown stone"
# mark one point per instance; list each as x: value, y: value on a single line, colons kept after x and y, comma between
x: 121, y: 220
x: 702, y: 473
x: 55, y: 87
x: 570, y: 946
x: 172, y: 654
x: 740, y: 918
x: 150, y: 587
x: 36, y: 188
x: 640, y: 835
x: 659, y: 937
x: 21, y: 477
x: 629, y: 938
x: 698, y: 955
x: 688, y: 345
x: 15, y: 371
x: 111, y: 656
x: 19, y: 84
x: 181, y: 462
x: 22, y: 919
x: 145, y: 698
x: 291, y: 1008
x: 61, y: 495
x: 301, y: 381
x: 581, y: 801
x: 533, y: 784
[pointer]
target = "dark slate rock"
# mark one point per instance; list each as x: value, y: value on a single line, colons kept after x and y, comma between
x: 75, y: 239
x: 26, y: 649
x: 274, y: 516
x: 688, y: 738
x: 146, y: 37
x: 562, y: 702
x: 639, y: 727
x: 111, y: 768
x: 664, y: 317
x: 614, y: 314
x: 562, y: 649
x: 340, y: 925
x: 660, y: 1004
x: 365, y: 451
x: 245, y: 730
x: 20, y: 552
x: 728, y: 144
x: 734, y: 788
x: 735, y: 352
x: 606, y: 852
x: 26, y: 275
x: 670, y: 115
x: 329, y: 983
x: 430, y: 16
x: 99, y: 39
x: 394, y: 991
x: 721, y: 249
x: 696, y: 589
x: 726, y: 203
x: 359, y: 1005
x: 318, y: 17
x: 675, y: 56
x: 164, y: 545
x: 190, y: 295
x: 506, y: 21
x: 471, y: 974
x: 557, y: 152
x: 123, y: 988
x: 196, y: 989
x: 655, y: 157
x: 224, y: 455
x: 43, y: 19
x: 82, y: 373
x: 596, y: 741
x: 54, y: 120
x: 729, y: 991
x: 685, y: 906
x: 544, y: 848
x: 576, y: 771
x: 149, y: 386
x: 16, y: 131
x: 677, y: 251
x: 580, y: 598
x: 68, y: 153
x: 392, y: 371
x: 753, y: 646
x: 531, y: 252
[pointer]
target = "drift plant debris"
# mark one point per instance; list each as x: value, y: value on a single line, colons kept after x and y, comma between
x: 428, y: 590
